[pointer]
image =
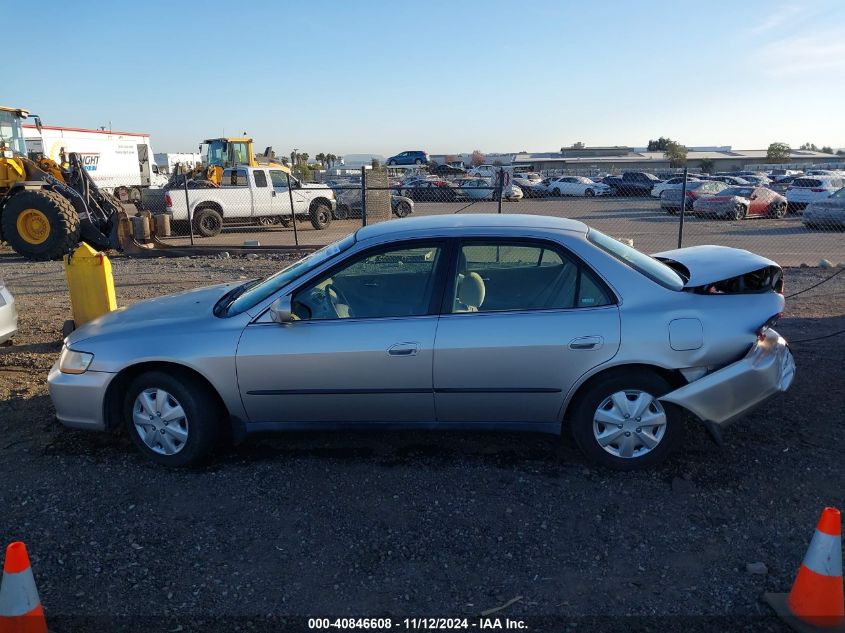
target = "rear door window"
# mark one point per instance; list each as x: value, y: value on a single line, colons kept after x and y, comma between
x: 806, y: 182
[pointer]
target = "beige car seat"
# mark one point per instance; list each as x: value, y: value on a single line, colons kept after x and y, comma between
x: 470, y: 292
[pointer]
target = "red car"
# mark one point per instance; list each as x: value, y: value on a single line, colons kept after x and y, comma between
x: 737, y: 203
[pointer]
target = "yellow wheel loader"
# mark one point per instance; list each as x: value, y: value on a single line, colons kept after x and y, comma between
x: 46, y: 209
x: 219, y: 154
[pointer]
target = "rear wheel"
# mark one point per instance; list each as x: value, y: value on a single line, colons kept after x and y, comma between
x: 321, y: 216
x: 173, y: 420
x: 778, y: 210
x: 619, y: 422
x: 403, y: 209
x: 40, y: 224
x: 590, y: 193
x: 556, y: 192
x: 208, y: 222
x: 341, y: 212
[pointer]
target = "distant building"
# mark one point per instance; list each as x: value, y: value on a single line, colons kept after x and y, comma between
x: 617, y: 159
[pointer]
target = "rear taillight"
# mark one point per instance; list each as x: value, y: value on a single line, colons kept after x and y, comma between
x: 168, y: 201
x: 690, y: 194
x: 818, y: 190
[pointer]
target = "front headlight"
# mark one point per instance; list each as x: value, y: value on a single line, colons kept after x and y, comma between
x: 73, y: 362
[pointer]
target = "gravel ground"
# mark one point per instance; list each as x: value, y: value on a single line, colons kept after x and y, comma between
x: 410, y: 524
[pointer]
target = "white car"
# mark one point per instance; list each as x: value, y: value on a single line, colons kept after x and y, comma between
x: 673, y: 183
x: 527, y: 179
x: 484, y: 189
x: 577, y: 186
x: 485, y: 171
x: 8, y: 314
x: 809, y: 189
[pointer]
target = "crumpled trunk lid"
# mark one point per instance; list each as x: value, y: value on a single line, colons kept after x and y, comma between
x: 723, y: 270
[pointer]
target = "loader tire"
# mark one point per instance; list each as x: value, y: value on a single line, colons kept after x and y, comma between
x: 40, y: 225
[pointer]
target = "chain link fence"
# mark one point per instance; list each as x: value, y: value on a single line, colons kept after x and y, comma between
x: 797, y: 220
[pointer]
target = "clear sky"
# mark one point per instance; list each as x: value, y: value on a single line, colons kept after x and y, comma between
x: 444, y: 76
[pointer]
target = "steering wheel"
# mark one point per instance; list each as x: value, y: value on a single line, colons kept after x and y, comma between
x: 336, y: 296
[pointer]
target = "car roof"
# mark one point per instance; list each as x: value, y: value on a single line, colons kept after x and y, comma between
x: 474, y: 221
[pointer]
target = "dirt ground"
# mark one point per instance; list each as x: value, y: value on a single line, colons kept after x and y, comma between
x: 411, y: 524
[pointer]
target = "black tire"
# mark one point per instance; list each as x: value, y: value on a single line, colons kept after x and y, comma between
x: 589, y: 193
x: 391, y: 163
x: 403, y: 209
x: 556, y: 192
x: 62, y: 220
x: 778, y: 210
x: 341, y: 212
x: 205, y: 419
x: 320, y: 215
x: 588, y: 402
x: 208, y: 222
x: 418, y: 162
x: 739, y: 212
x: 671, y: 211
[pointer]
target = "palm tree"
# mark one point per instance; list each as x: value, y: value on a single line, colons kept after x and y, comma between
x: 321, y: 158
x: 304, y: 157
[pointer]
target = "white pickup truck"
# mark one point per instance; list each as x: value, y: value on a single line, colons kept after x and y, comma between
x: 258, y: 195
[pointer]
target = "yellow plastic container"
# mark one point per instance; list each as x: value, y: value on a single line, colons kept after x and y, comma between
x: 91, y: 284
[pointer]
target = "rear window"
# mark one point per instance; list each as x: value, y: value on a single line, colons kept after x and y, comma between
x: 806, y: 182
x: 642, y: 263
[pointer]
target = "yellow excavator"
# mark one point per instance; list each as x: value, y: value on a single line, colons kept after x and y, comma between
x: 47, y: 208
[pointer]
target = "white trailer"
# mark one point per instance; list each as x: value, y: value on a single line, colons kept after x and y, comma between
x: 119, y: 162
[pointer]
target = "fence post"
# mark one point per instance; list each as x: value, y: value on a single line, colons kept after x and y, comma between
x: 500, y: 186
x: 363, y: 196
x: 292, y: 213
x: 188, y: 205
x: 683, y: 209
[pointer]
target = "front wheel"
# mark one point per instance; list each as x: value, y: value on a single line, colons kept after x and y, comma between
x: 40, y: 224
x: 739, y: 212
x: 173, y: 420
x: 321, y: 216
x: 778, y: 210
x: 590, y: 193
x: 619, y: 422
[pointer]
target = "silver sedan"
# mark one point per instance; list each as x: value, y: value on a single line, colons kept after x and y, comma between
x: 512, y: 322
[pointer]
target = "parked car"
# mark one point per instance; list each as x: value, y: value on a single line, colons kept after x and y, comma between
x: 252, y: 194
x: 731, y: 180
x: 447, y: 170
x: 632, y: 183
x: 738, y: 203
x: 430, y: 191
x: 809, y: 189
x: 826, y: 214
x: 676, y: 182
x: 511, y: 193
x: 8, y: 315
x: 414, y: 157
x: 781, y: 184
x: 349, y: 204
x: 547, y: 326
x: 756, y: 179
x: 485, y: 171
x: 485, y: 189
x: 526, y: 179
x: 578, y: 186
x: 671, y: 199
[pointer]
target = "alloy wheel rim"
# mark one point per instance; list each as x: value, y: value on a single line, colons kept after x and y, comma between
x: 33, y: 226
x: 160, y: 421
x: 629, y: 423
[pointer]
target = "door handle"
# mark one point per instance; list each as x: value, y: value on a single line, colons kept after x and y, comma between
x: 404, y: 349
x: 586, y: 343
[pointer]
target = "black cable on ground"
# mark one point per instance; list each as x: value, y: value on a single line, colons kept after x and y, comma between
x: 467, y: 206
x: 841, y: 269
x: 817, y: 338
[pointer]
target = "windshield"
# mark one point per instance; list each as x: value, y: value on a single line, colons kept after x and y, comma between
x: 839, y: 193
x: 254, y: 294
x: 642, y: 263
x: 217, y: 153
x: 742, y: 192
x: 11, y: 136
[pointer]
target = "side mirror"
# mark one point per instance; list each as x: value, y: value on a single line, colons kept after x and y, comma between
x: 280, y: 310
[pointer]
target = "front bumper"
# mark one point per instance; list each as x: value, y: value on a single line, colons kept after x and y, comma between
x: 729, y: 393
x: 79, y: 398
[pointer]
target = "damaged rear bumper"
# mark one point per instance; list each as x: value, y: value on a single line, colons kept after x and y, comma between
x: 729, y: 393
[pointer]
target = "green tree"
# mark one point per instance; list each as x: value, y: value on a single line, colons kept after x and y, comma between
x: 374, y: 163
x: 676, y: 153
x: 778, y: 152
x: 304, y: 157
x: 659, y: 145
x: 840, y: 152
x: 707, y: 165
x: 321, y: 158
x: 827, y: 149
x: 809, y: 146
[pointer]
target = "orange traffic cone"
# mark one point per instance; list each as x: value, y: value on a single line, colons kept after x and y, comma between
x: 20, y: 608
x: 816, y: 601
